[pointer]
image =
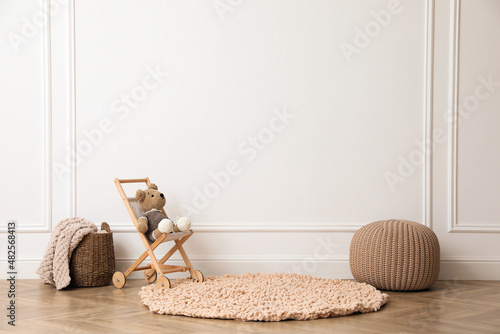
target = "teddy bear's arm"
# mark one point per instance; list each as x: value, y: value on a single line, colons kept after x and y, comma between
x: 142, y: 225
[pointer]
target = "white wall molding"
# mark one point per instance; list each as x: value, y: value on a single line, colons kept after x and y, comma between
x: 46, y: 221
x: 302, y: 227
x: 453, y: 129
x: 258, y: 227
x: 72, y: 107
x: 476, y: 228
x: 453, y: 223
x: 428, y: 112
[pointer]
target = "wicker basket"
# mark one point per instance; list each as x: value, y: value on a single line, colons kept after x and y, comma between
x: 93, y: 260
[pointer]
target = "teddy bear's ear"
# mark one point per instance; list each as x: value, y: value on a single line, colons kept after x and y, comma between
x: 153, y: 186
x: 140, y: 195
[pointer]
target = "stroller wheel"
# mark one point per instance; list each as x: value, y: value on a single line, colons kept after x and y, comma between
x: 150, y: 275
x: 198, y: 276
x: 119, y: 280
x: 163, y: 282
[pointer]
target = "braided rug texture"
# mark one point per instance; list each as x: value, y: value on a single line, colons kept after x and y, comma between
x: 263, y: 297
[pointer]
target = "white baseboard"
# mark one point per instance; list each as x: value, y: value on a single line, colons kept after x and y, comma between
x: 469, y: 269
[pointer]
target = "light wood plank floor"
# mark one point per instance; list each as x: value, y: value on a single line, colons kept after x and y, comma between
x: 448, y: 307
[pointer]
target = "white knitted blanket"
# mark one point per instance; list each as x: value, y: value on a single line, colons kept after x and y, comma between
x: 54, y: 268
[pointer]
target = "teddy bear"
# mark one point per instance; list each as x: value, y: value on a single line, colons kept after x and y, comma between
x: 154, y: 222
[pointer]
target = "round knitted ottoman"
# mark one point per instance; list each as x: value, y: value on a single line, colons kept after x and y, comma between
x: 398, y: 255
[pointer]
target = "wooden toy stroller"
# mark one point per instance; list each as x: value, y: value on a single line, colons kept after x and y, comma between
x: 157, y: 268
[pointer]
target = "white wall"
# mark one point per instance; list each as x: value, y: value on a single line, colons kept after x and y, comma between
x: 320, y: 126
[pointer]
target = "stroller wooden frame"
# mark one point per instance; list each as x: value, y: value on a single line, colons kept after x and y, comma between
x: 157, y: 269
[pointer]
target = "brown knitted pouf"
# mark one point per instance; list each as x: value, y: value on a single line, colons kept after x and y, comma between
x: 397, y: 255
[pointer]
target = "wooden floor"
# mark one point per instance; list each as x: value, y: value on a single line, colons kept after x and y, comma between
x: 448, y: 307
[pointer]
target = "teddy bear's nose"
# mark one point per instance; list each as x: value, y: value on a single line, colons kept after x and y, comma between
x: 161, y: 195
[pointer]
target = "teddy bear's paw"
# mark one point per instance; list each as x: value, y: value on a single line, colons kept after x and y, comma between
x: 183, y: 224
x: 142, y: 225
x: 166, y: 226
x: 156, y: 234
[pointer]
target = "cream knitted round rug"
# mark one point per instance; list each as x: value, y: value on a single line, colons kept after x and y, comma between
x: 263, y: 297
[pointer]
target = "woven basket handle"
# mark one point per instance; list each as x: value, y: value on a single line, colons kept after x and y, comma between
x: 105, y: 227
